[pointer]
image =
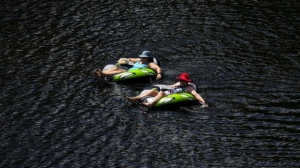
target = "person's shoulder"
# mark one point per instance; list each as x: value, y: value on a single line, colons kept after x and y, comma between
x: 190, y: 88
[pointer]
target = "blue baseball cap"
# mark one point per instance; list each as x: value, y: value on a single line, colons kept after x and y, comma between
x: 145, y: 54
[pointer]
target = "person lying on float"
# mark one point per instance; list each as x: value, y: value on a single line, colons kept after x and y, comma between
x: 179, y: 87
x: 142, y: 62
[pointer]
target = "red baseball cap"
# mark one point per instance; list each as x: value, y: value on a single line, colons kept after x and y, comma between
x: 184, y: 77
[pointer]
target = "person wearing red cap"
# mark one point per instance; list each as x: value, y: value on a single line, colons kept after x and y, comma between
x: 181, y: 86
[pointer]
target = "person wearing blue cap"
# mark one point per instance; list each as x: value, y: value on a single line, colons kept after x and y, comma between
x: 145, y: 60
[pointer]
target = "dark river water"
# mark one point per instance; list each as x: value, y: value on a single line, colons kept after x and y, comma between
x: 243, y: 56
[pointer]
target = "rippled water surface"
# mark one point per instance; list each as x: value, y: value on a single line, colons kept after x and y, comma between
x: 243, y: 56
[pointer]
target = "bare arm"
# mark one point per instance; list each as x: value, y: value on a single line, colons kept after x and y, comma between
x: 196, y: 95
x: 156, y: 68
x: 134, y: 60
x: 176, y: 84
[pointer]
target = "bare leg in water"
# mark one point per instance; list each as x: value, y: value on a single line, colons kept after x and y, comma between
x: 151, y: 92
x: 109, y: 72
x: 160, y: 95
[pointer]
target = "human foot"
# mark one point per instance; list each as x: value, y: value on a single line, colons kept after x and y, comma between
x: 132, y: 99
x: 97, y: 73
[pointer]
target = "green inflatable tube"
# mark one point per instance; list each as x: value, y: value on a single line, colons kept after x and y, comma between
x: 134, y: 74
x: 171, y: 100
